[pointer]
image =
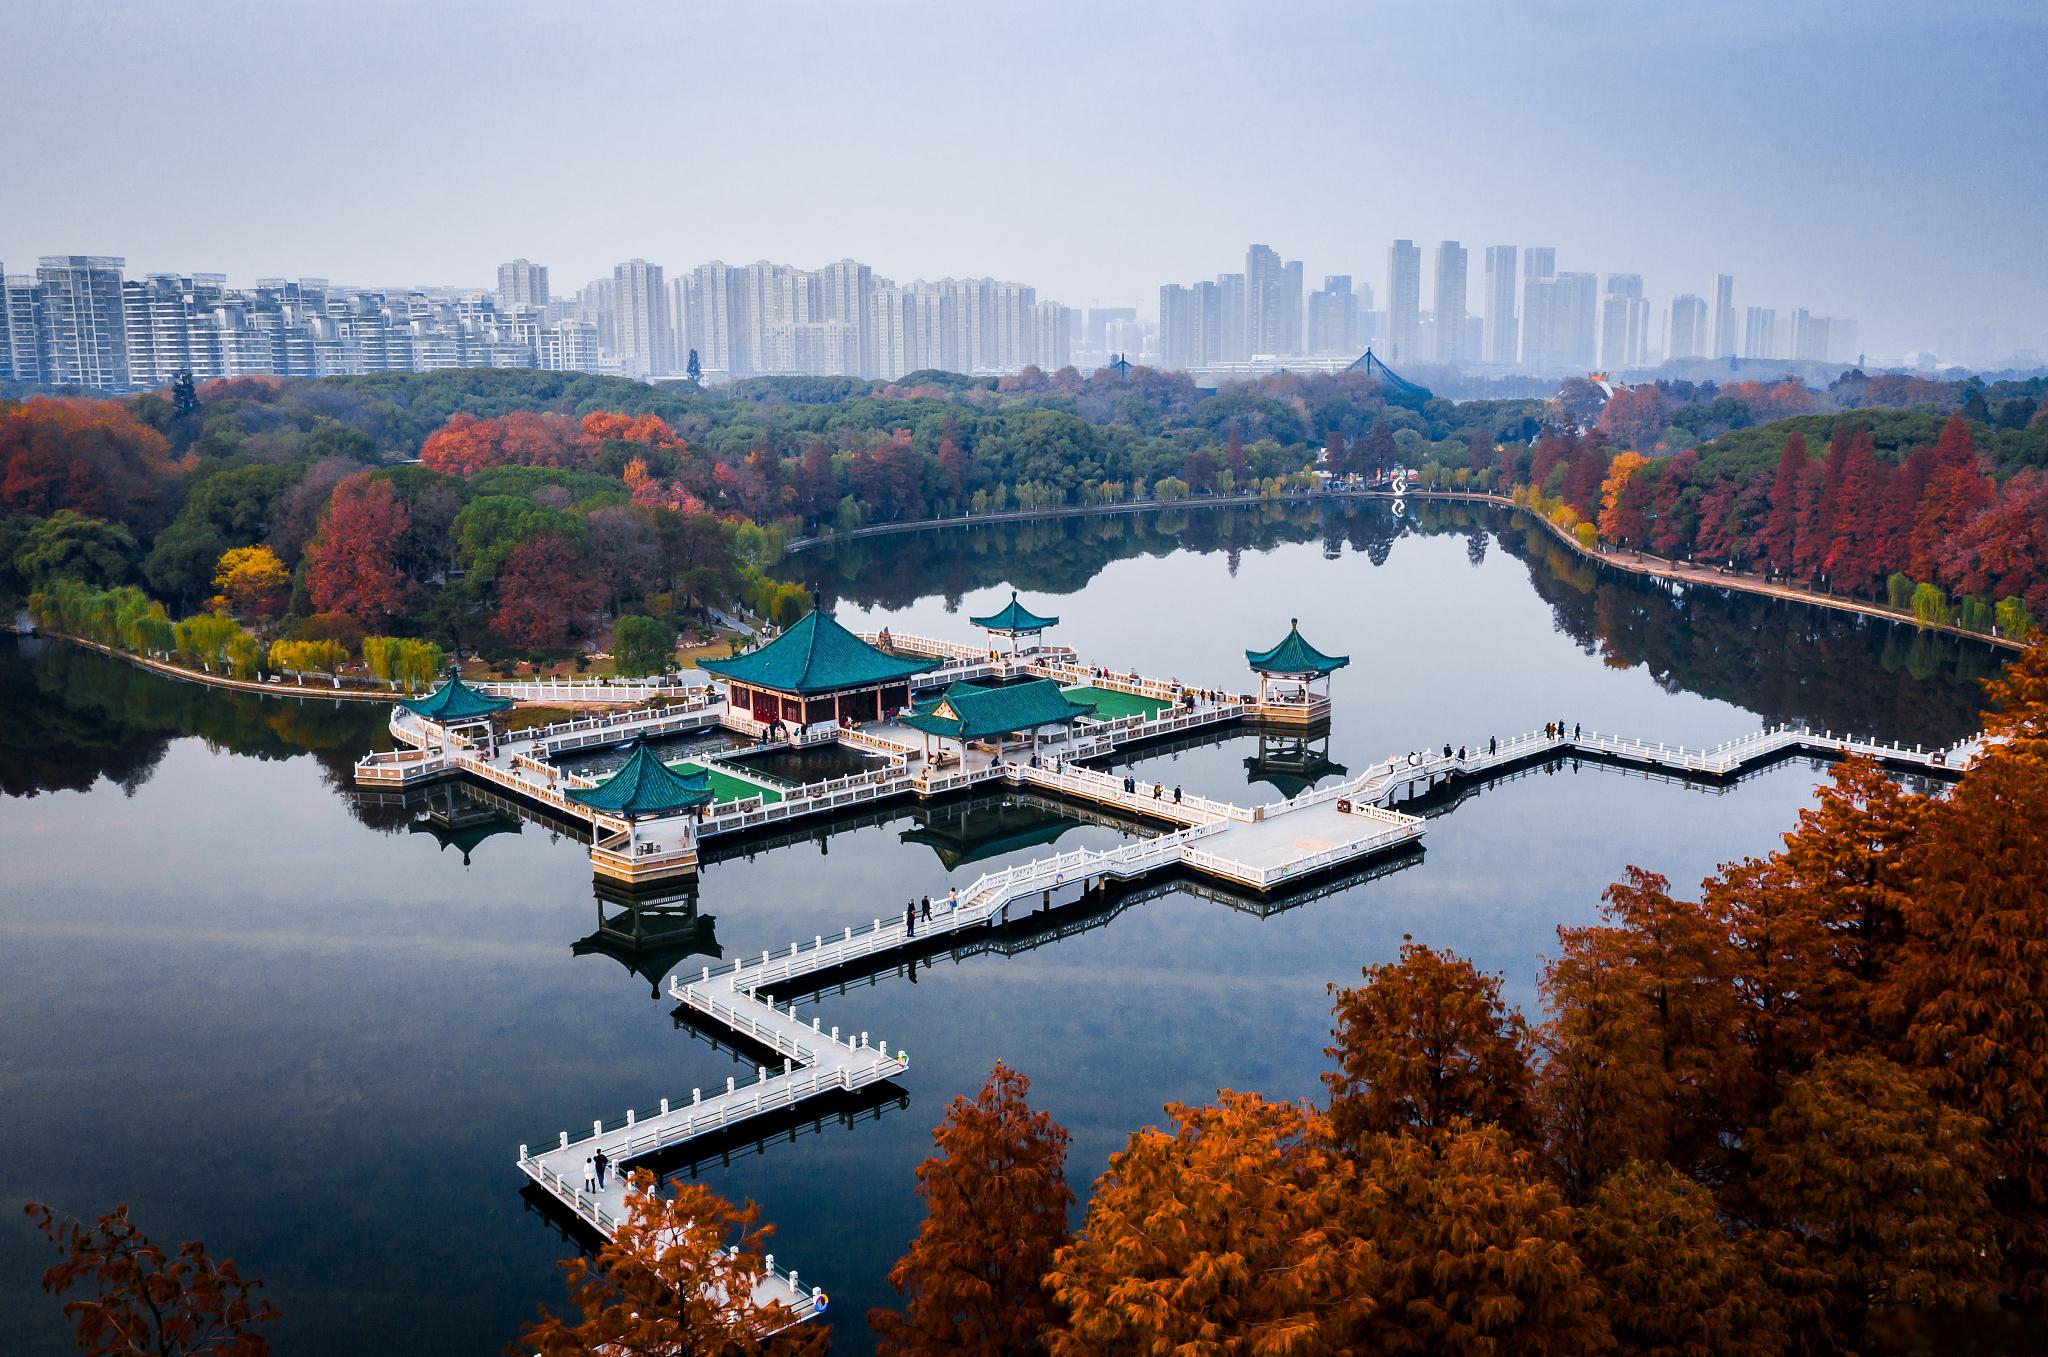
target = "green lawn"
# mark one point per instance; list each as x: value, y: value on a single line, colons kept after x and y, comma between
x: 1112, y: 705
x: 726, y: 787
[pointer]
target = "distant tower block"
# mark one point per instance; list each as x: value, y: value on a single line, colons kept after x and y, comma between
x: 1288, y: 675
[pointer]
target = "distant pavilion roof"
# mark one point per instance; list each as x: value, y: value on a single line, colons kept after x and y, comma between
x: 455, y: 700
x: 644, y: 785
x: 1294, y: 656
x: 1014, y: 619
x: 968, y: 711
x: 816, y: 655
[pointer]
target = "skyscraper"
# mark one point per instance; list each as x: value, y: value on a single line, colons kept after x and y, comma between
x: 1624, y: 322
x: 1760, y: 332
x: 1539, y: 269
x: 1724, y: 316
x: 1500, y: 304
x: 1272, y: 294
x: 1333, y: 316
x: 84, y: 339
x: 1578, y: 319
x: 1404, y: 302
x: 1450, y: 302
x: 1688, y: 327
x: 1230, y: 287
x: 522, y: 283
x: 642, y: 335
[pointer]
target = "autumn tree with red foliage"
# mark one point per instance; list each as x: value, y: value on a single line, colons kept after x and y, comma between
x: 466, y: 444
x: 668, y: 1283
x: 652, y: 430
x: 547, y: 594
x: 146, y: 1302
x: 352, y: 565
x: 996, y: 1202
x: 91, y: 456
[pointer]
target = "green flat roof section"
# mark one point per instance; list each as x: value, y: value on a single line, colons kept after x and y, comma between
x: 1294, y: 656
x: 1112, y: 705
x: 816, y: 655
x: 726, y: 787
x: 643, y: 785
x: 455, y: 700
x: 968, y: 711
x: 1014, y: 618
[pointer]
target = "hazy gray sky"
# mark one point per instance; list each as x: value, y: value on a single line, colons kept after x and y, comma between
x: 1877, y: 160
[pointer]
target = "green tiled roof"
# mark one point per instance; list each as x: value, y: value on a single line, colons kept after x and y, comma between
x: 816, y: 655
x: 968, y: 711
x: 1016, y: 617
x: 456, y: 701
x: 645, y: 786
x: 1294, y: 656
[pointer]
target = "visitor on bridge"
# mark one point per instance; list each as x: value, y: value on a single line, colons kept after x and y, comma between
x: 589, y: 1174
x: 910, y: 919
x: 1492, y: 745
x: 1176, y: 793
x: 924, y: 908
x: 1575, y: 730
x: 602, y: 1163
x: 1447, y: 751
x: 952, y: 899
x: 1158, y: 791
x: 1461, y: 753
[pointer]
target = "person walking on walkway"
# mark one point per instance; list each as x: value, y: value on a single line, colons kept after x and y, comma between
x: 1461, y: 753
x: 924, y: 908
x: 1158, y: 790
x: 602, y: 1162
x: 1176, y: 793
x: 589, y: 1174
x: 1575, y: 730
x: 1492, y: 745
x: 910, y: 920
x: 952, y: 899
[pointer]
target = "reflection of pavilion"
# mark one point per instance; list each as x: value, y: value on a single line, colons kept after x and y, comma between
x: 458, y: 820
x: 964, y: 832
x: 1293, y: 760
x: 650, y: 932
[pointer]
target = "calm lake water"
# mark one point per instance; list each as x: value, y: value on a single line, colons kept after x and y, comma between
x: 312, y: 1027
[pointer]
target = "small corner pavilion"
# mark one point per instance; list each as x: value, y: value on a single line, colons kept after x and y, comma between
x: 644, y: 788
x: 1297, y: 665
x: 969, y: 711
x: 1014, y: 621
x: 455, y: 704
x: 817, y: 671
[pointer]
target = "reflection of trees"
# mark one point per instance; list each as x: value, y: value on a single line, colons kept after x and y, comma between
x: 1786, y: 661
x: 75, y: 716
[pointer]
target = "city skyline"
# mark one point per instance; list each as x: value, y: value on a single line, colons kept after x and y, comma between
x: 1922, y: 222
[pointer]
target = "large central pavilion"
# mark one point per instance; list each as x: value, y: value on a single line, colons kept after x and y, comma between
x: 818, y: 671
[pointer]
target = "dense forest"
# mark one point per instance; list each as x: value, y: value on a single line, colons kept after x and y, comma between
x: 381, y: 522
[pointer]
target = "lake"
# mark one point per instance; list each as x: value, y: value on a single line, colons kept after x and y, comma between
x: 312, y: 1026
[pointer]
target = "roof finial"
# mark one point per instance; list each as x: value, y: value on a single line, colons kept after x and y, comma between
x: 1013, y: 596
x: 817, y: 600
x: 1294, y: 624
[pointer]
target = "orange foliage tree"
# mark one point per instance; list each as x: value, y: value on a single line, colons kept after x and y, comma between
x: 143, y: 1300
x: 667, y: 1283
x: 466, y: 444
x: 1425, y: 1041
x: 252, y: 581
x: 996, y: 1202
x: 1616, y: 525
x: 88, y: 455
x: 352, y: 566
x: 652, y: 430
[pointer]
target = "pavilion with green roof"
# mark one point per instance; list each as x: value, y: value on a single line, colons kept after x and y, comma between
x: 1297, y: 666
x: 1014, y: 621
x: 970, y: 711
x: 644, y: 788
x: 456, y: 704
x: 817, y: 671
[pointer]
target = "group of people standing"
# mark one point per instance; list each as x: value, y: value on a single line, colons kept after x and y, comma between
x: 921, y: 908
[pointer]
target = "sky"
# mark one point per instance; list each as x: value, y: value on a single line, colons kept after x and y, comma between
x: 1882, y: 161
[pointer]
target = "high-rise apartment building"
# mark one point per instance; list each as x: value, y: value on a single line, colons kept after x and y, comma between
x: 1404, y: 303
x: 1450, y: 303
x: 1724, y: 316
x: 1272, y: 302
x: 1759, y: 332
x: 1688, y: 327
x: 84, y: 339
x: 1501, y: 333
x: 1333, y: 316
x: 643, y: 338
x: 522, y: 283
x: 1539, y: 269
x: 1624, y: 322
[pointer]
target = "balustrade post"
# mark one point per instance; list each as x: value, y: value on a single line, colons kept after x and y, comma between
x: 863, y: 1039
x: 597, y: 1128
x: 565, y: 1140
x: 664, y: 1107
x: 835, y: 1035
x: 696, y: 1096
x: 731, y: 1083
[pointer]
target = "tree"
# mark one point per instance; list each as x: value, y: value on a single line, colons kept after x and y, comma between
x: 1881, y: 1186
x: 69, y: 545
x: 694, y: 368
x: 466, y: 444
x: 666, y: 1285
x: 351, y: 566
x: 1423, y: 1042
x: 1225, y: 1236
x: 546, y: 595
x: 1674, y: 1282
x: 1471, y: 1251
x: 252, y: 580
x: 1622, y: 522
x: 148, y: 1302
x: 642, y: 645
x: 184, y: 396
x: 996, y: 1202
x: 91, y: 456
